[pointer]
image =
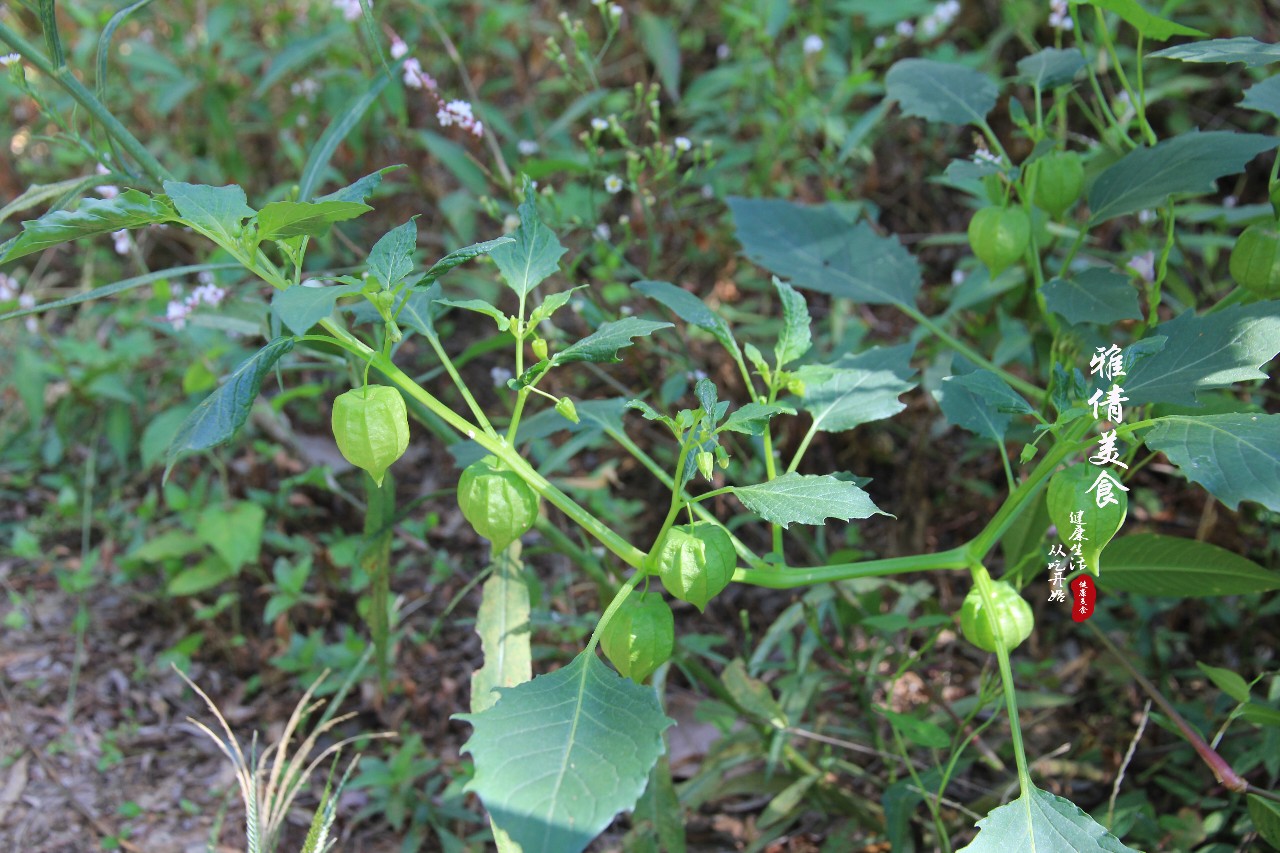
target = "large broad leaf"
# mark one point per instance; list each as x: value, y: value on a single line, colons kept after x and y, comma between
x: 130, y: 209
x: 821, y: 248
x: 214, y: 211
x: 300, y: 308
x: 460, y: 256
x: 558, y: 757
x: 806, y: 499
x: 794, y: 339
x: 602, y: 345
x: 1151, y: 564
x: 533, y: 255
x: 1051, y: 67
x: 689, y: 308
x: 981, y: 402
x: 1263, y: 97
x: 941, y: 91
x: 1211, y: 351
x: 1096, y: 295
x: 391, y: 258
x: 503, y: 625
x: 1189, y: 163
x: 1039, y: 821
x: 283, y: 219
x: 1244, y: 49
x: 1151, y: 26
x: 220, y: 415
x: 1235, y: 457
x: 857, y: 389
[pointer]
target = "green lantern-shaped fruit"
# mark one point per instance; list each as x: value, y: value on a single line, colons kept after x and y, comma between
x: 695, y: 562
x: 1255, y: 260
x: 1058, y: 178
x: 1012, y: 617
x: 640, y: 636
x: 999, y: 236
x: 371, y: 427
x: 497, y: 502
x: 1075, y: 489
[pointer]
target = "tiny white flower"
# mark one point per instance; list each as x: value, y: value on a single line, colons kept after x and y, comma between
x: 603, y: 231
x: 626, y: 310
x: 205, y: 277
x: 8, y: 59
x: 906, y: 29
x: 722, y: 52
x: 351, y: 9
x: 1143, y: 266
x: 27, y: 301
x: 471, y: 433
x: 121, y: 241
x: 1230, y: 201
x: 510, y: 223
x: 682, y: 143
x: 177, y: 313
x: 398, y: 47
x: 311, y: 282
x: 708, y: 192
x: 879, y: 42
x: 527, y: 147
x: 957, y: 276
x: 1146, y: 217
x: 598, y: 2
x: 599, y: 124
x: 209, y: 294
x: 696, y: 375
x: 812, y: 44
x: 982, y: 155
x: 305, y: 88
x: 412, y: 74
x: 613, y: 184
x: 615, y: 10
x: 8, y: 287
x: 499, y: 375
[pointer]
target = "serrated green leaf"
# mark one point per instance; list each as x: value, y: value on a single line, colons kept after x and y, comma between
x: 535, y: 252
x: 1051, y: 67
x: 981, y: 402
x: 234, y: 533
x: 1244, y: 49
x: 1151, y: 564
x: 1235, y: 457
x: 460, y: 256
x: 300, y: 308
x: 820, y: 248
x: 558, y: 757
x: 220, y: 415
x: 1151, y: 26
x: 806, y: 499
x: 603, y: 344
x: 1210, y: 351
x: 283, y: 219
x: 1263, y: 97
x: 794, y: 340
x: 857, y: 389
x: 391, y: 258
x: 1040, y: 821
x: 752, y: 418
x: 941, y: 91
x: 1095, y: 295
x: 503, y: 625
x: 480, y: 307
x: 217, y: 212
x: 1189, y: 163
x: 130, y: 209
x: 361, y: 189
x: 1227, y: 681
x: 552, y: 304
x: 689, y: 308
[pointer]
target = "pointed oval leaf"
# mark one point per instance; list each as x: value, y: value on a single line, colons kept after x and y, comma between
x: 941, y: 91
x: 558, y: 757
x: 1151, y: 26
x: 217, y: 212
x: 689, y: 308
x: 1051, y: 67
x: 1094, y: 296
x: 794, y: 340
x: 300, y: 308
x: 1039, y: 820
x: 460, y: 256
x: 602, y: 345
x: 535, y: 252
x: 1151, y: 564
x: 1189, y: 163
x: 391, y: 258
x: 1244, y: 49
x: 282, y: 219
x: 130, y: 209
x: 220, y: 415
x: 1262, y: 97
x: 806, y: 499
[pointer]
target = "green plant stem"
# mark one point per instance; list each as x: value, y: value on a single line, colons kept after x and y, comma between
x: 789, y: 577
x: 982, y: 581
x: 62, y: 75
x: 1037, y: 394
x: 1134, y: 97
x: 621, y: 596
x: 447, y: 364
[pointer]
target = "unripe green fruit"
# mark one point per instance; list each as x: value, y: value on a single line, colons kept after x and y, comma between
x: 640, y: 636
x: 695, y: 563
x: 497, y: 502
x: 371, y: 427
x: 999, y: 236
x: 1255, y: 260
x: 1058, y: 178
x: 1013, y: 618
